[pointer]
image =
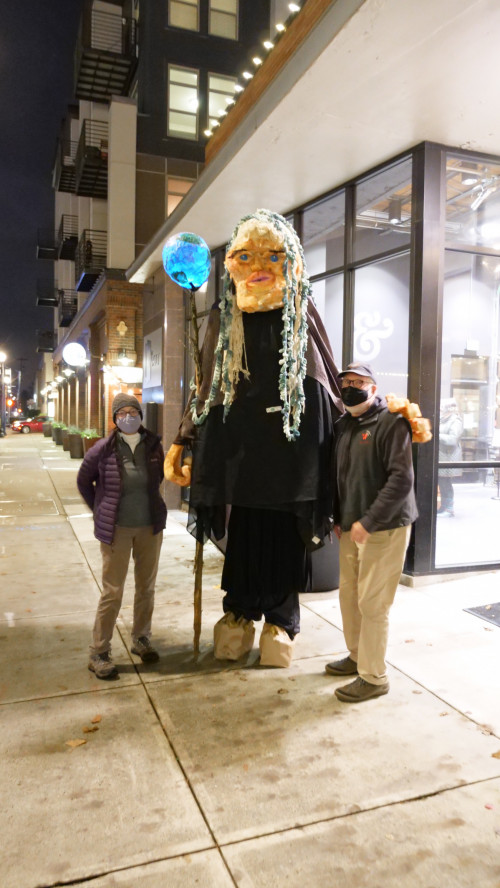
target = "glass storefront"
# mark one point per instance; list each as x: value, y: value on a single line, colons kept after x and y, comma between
x: 405, y: 271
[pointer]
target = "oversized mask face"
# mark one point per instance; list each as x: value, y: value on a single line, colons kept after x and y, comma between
x: 255, y: 264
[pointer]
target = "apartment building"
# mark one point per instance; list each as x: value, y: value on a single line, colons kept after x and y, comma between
x: 151, y: 80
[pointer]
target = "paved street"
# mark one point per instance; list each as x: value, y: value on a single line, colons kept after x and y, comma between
x: 212, y: 774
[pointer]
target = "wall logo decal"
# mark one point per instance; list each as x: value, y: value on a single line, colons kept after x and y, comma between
x: 369, y: 330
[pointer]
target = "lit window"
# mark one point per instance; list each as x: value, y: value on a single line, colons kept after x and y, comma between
x: 184, y: 14
x: 223, y: 20
x: 220, y: 95
x: 182, y: 102
x: 176, y: 189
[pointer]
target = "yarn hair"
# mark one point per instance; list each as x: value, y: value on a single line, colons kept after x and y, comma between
x: 230, y: 353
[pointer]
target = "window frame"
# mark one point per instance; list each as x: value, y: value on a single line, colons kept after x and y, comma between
x: 171, y: 132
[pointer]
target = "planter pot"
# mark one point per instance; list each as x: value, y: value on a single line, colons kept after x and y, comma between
x: 57, y: 435
x: 76, y: 446
x: 89, y: 442
x: 65, y: 439
x: 47, y: 429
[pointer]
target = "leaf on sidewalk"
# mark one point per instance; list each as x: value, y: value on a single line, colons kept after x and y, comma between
x: 495, y: 755
x: 87, y: 730
x: 74, y: 743
x: 96, y: 719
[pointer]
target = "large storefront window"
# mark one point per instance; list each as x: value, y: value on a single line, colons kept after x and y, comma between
x: 328, y: 295
x: 323, y: 227
x: 469, y: 424
x: 381, y: 314
x: 383, y: 211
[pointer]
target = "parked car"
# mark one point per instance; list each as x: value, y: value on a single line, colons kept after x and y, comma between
x: 33, y: 424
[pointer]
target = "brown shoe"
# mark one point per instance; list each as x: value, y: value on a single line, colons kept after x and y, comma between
x: 360, y: 690
x: 342, y: 667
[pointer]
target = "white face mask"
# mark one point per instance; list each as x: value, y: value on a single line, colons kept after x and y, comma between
x: 129, y: 424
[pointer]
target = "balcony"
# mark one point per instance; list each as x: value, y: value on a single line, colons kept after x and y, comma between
x: 64, y: 174
x: 91, y: 258
x: 91, y: 161
x: 46, y: 295
x: 67, y: 237
x: 46, y: 340
x: 59, y: 244
x: 106, y: 55
x: 68, y: 307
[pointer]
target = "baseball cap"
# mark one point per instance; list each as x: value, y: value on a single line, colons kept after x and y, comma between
x: 359, y: 370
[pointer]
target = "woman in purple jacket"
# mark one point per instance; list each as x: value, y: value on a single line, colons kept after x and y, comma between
x: 119, y: 480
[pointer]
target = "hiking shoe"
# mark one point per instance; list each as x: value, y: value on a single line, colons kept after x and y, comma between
x: 144, y: 649
x: 103, y: 666
x: 360, y: 690
x: 342, y: 667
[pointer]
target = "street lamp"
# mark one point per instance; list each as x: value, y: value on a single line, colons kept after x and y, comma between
x: 3, y: 358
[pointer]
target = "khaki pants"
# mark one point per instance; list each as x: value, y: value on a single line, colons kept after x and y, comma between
x: 369, y: 576
x: 145, y: 548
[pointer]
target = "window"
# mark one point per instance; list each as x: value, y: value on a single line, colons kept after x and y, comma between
x: 184, y: 14
x: 220, y: 95
x: 176, y: 189
x: 223, y: 19
x: 323, y: 234
x: 383, y: 211
x: 182, y: 102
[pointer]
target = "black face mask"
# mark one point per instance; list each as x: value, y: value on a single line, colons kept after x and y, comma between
x: 353, y: 396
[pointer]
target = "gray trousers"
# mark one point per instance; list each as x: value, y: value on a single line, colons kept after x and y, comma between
x: 145, y: 548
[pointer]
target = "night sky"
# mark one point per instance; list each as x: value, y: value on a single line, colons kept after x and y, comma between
x: 37, y: 39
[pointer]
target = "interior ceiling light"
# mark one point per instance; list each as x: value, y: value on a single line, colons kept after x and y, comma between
x: 469, y: 178
x: 247, y: 75
x: 222, y: 113
x: 215, y: 123
x: 238, y: 88
x: 207, y: 132
x: 268, y: 44
x: 257, y: 61
x: 280, y: 27
x: 394, y: 210
x: 294, y: 7
x: 229, y: 101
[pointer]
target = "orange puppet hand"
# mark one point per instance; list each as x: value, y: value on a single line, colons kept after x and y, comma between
x: 174, y: 472
x: 420, y: 427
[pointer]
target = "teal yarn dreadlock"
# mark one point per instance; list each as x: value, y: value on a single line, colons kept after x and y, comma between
x: 230, y: 349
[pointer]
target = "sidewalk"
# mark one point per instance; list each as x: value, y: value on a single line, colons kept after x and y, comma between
x: 213, y: 774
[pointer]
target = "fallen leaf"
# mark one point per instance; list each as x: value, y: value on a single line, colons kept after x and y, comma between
x: 74, y: 743
x: 489, y: 807
x: 443, y: 713
x: 283, y: 691
x: 409, y: 641
x: 96, y: 719
x: 291, y: 678
x: 416, y: 692
x: 87, y: 730
x: 495, y: 755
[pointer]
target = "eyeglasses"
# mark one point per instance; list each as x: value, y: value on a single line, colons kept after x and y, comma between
x: 122, y: 413
x: 356, y: 383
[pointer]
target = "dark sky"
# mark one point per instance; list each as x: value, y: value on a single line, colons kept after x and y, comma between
x: 37, y: 39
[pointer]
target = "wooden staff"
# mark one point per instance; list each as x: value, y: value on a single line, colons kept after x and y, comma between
x: 198, y: 558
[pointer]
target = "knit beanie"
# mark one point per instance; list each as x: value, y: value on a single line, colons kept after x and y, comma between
x: 122, y: 400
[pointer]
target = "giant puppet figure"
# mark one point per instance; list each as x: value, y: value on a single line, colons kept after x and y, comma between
x: 260, y: 430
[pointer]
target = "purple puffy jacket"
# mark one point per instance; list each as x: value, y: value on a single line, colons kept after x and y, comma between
x: 99, y: 481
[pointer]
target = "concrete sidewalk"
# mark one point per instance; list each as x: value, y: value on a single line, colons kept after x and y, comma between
x: 212, y: 774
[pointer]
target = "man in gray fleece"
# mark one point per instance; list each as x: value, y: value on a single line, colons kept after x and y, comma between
x: 374, y: 507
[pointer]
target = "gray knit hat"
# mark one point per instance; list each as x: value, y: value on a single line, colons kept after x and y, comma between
x: 123, y: 400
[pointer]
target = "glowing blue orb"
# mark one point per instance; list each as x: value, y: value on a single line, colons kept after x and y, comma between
x: 186, y: 259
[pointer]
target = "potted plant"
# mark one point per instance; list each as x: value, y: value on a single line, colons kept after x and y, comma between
x: 75, y: 442
x: 47, y: 429
x: 57, y: 430
x: 65, y: 437
x: 89, y: 437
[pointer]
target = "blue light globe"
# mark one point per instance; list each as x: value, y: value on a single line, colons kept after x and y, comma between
x: 186, y: 259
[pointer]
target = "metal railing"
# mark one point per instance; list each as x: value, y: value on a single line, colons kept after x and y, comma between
x: 46, y: 340
x: 92, y: 251
x: 63, y: 178
x: 91, y: 160
x: 107, y: 32
x: 47, y: 296
x: 68, y: 307
x: 46, y: 247
x: 67, y: 237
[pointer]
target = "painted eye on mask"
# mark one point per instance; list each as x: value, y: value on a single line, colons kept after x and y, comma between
x: 243, y: 257
x: 274, y: 257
